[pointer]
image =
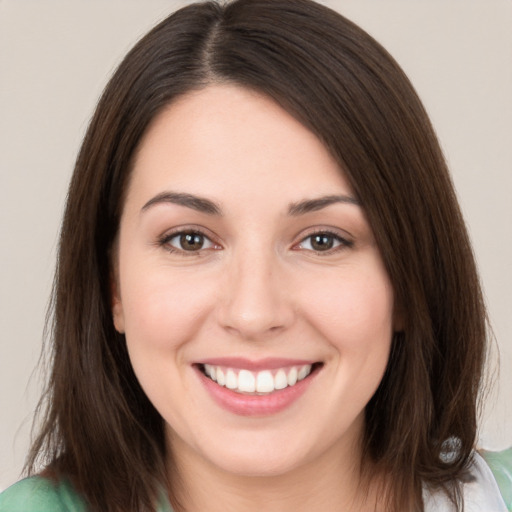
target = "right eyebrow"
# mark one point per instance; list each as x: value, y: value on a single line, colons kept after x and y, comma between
x: 312, y: 205
x: 200, y: 204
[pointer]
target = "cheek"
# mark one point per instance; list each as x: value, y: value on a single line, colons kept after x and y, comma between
x: 354, y: 312
x: 354, y: 315
x: 163, y: 312
x: 164, y: 309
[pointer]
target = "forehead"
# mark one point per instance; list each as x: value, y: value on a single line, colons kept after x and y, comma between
x: 227, y: 138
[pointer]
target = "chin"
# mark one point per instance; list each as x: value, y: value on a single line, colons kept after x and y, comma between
x: 259, y: 458
x: 251, y: 467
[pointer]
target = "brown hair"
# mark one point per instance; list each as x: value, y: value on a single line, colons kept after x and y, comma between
x: 99, y: 428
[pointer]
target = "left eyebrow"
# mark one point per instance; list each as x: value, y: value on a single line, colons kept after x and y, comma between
x: 312, y: 205
x: 200, y: 204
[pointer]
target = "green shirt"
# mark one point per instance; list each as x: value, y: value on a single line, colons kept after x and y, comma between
x: 38, y: 494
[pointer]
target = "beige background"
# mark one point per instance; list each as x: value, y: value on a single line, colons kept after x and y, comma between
x: 55, y: 57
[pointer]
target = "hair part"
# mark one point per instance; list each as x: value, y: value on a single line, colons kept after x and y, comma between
x: 99, y: 429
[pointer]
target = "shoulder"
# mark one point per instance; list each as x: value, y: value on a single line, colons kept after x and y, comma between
x: 38, y: 494
x: 481, y: 493
x: 500, y: 464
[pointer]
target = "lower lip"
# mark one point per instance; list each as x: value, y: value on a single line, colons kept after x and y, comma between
x: 255, y: 405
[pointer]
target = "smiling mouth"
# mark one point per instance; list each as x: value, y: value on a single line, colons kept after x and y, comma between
x: 258, y: 383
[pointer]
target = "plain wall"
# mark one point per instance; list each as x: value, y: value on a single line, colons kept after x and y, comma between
x: 55, y: 58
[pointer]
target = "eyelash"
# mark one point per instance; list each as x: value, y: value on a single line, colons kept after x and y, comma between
x: 343, y: 242
x: 165, y: 240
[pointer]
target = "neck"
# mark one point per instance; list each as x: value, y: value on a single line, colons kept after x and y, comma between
x: 326, y: 483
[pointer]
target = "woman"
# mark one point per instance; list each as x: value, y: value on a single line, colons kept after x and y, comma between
x: 265, y: 294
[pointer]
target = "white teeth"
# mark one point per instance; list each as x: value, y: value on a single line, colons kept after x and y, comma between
x: 210, y: 370
x: 280, y: 380
x: 265, y: 381
x: 246, y: 381
x: 304, y: 372
x: 292, y: 376
x: 231, y: 380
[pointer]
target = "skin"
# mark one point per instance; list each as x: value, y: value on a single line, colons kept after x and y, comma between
x: 255, y: 289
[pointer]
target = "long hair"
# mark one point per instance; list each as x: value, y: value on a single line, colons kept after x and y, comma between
x: 99, y: 429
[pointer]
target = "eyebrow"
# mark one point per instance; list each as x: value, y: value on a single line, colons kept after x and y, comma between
x: 199, y: 204
x: 203, y: 205
x: 313, y: 205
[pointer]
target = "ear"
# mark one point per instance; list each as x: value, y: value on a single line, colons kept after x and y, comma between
x: 116, y: 303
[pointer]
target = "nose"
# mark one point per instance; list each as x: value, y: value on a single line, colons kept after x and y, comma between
x: 255, y: 303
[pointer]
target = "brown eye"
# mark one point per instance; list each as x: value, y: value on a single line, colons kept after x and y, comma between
x: 322, y: 242
x: 187, y: 242
x: 191, y: 241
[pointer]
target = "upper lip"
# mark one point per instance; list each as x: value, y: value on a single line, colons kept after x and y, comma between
x: 269, y: 363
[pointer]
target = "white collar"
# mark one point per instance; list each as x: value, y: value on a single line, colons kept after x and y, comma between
x: 480, y: 495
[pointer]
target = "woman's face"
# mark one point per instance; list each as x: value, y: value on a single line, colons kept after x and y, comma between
x: 257, y: 311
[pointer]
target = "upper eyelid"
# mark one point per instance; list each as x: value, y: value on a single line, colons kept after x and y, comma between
x: 318, y: 230
x: 171, y: 233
